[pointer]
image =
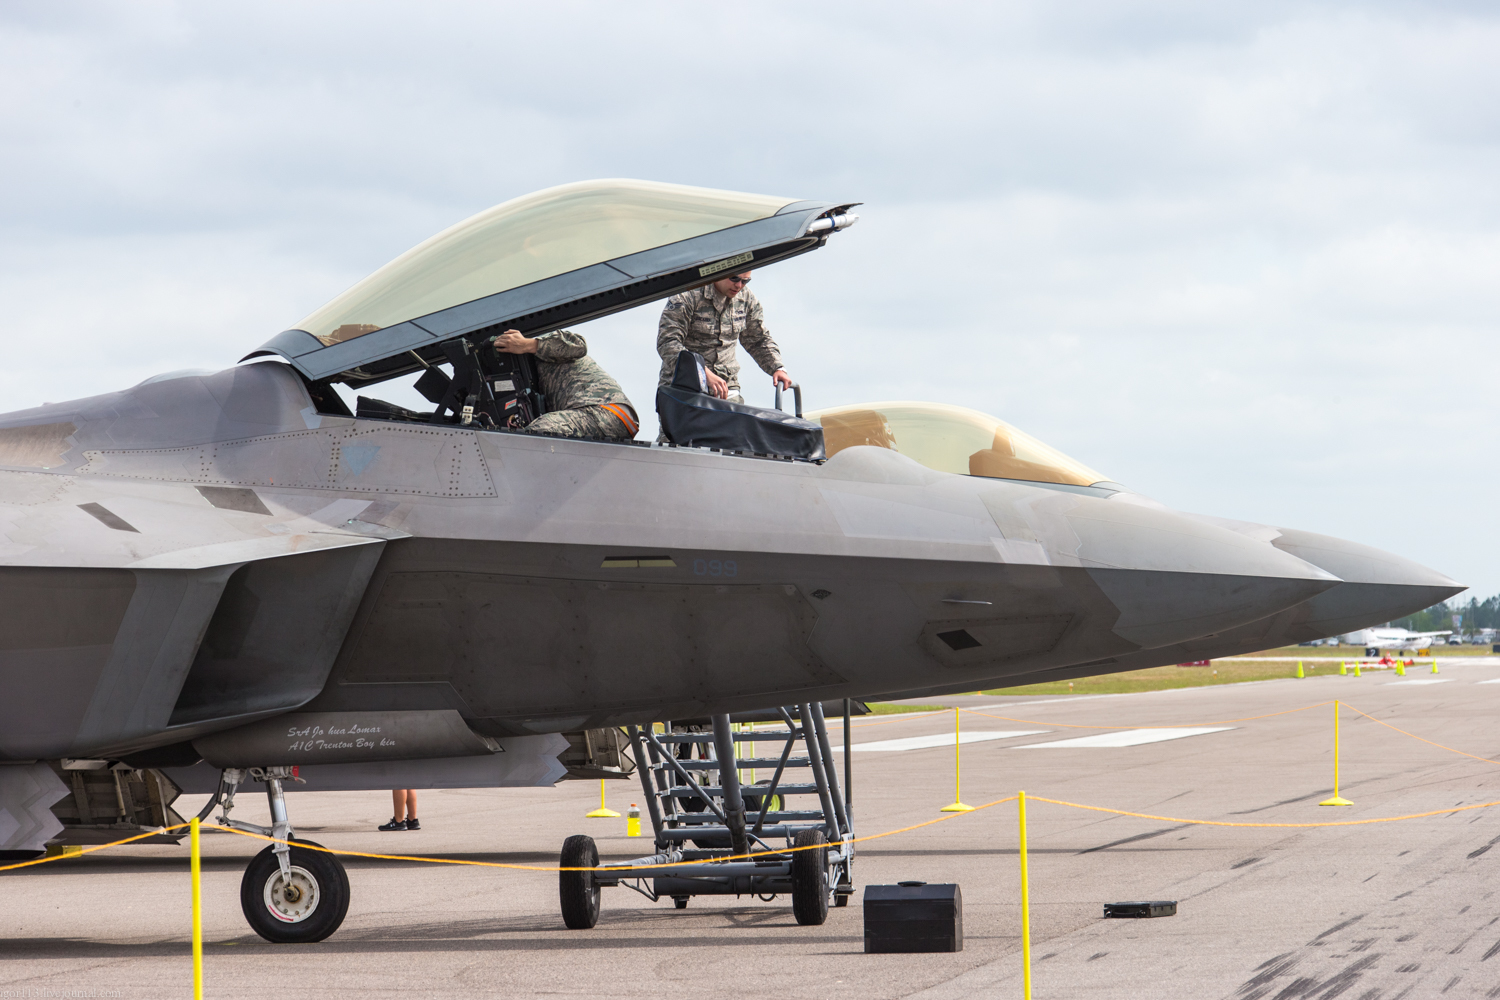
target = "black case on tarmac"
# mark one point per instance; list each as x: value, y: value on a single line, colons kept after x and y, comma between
x: 689, y: 416
x: 914, y: 916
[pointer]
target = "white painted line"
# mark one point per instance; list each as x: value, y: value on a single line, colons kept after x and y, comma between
x: 1492, y: 680
x: 1126, y: 738
x: 1425, y: 680
x: 940, y: 740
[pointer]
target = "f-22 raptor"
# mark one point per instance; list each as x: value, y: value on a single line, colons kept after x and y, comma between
x: 209, y: 579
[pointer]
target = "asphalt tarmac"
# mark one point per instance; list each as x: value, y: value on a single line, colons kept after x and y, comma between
x: 1384, y: 910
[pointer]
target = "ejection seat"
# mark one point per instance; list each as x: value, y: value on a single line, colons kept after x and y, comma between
x: 691, y: 416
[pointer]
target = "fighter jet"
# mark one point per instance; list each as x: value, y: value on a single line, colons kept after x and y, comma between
x: 209, y: 579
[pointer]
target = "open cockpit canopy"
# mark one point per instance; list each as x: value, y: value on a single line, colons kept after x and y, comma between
x: 537, y: 262
x: 951, y: 439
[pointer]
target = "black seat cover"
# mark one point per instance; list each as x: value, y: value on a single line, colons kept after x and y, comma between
x: 689, y: 416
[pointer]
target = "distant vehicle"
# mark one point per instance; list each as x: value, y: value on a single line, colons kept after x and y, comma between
x: 1454, y: 640
x: 1392, y: 638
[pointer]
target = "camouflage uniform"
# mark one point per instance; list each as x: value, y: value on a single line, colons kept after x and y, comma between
x: 582, y: 399
x: 708, y: 323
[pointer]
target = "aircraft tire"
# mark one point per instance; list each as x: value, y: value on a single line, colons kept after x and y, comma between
x: 810, y: 878
x: 578, y: 892
x: 309, y: 910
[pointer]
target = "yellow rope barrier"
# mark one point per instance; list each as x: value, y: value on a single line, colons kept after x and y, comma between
x: 874, y: 836
x: 755, y: 854
x: 1462, y: 753
x: 555, y: 868
x: 95, y: 847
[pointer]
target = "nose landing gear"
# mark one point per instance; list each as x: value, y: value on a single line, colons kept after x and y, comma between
x: 292, y: 892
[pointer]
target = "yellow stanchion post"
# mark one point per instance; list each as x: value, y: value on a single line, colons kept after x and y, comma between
x: 957, y: 805
x: 1337, y: 800
x: 1300, y: 675
x: 603, y: 812
x: 633, y: 821
x: 1025, y: 901
x: 197, y: 869
x: 1343, y: 668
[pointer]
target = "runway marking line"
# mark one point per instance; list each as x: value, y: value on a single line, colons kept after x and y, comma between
x: 1192, y: 725
x: 1126, y: 738
x: 940, y: 740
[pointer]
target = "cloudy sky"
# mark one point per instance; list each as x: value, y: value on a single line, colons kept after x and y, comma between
x: 1242, y: 258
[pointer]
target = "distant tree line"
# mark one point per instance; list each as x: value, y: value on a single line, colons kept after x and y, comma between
x: 1476, y: 614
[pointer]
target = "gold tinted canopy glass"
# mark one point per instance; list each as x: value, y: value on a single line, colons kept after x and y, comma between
x: 528, y: 239
x: 950, y: 439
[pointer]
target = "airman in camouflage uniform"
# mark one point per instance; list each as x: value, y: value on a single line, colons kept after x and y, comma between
x: 710, y: 321
x: 582, y: 399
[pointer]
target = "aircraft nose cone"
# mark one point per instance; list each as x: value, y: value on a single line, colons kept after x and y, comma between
x: 1376, y: 586
x: 1174, y: 578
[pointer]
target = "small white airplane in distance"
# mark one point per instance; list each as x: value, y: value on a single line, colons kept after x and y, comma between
x: 1392, y: 638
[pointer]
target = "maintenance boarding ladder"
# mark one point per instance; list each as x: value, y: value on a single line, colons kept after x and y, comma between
x: 734, y: 830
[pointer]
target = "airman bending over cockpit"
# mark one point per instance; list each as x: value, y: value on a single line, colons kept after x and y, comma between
x: 709, y: 321
x: 582, y: 399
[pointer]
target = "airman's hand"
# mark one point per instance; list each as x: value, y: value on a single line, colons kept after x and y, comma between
x: 512, y: 342
x: 716, y: 386
x: 781, y: 379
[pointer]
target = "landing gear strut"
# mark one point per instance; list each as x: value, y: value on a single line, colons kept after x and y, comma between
x: 292, y: 892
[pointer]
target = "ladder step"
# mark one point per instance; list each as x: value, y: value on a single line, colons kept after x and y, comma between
x: 741, y: 763
x: 761, y: 737
x: 709, y: 823
x: 684, y: 792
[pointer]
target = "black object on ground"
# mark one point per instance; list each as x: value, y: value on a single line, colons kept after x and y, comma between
x: 1151, y: 908
x: 913, y: 916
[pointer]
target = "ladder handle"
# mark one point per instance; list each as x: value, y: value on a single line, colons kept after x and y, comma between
x: 729, y: 785
x: 648, y: 778
x: 820, y: 772
x: 796, y: 394
x: 820, y: 729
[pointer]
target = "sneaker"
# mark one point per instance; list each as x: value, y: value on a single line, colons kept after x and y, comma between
x: 394, y: 824
x: 413, y: 824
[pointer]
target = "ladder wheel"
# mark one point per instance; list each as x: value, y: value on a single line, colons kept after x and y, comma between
x: 680, y: 902
x: 810, y: 878
x: 577, y: 891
